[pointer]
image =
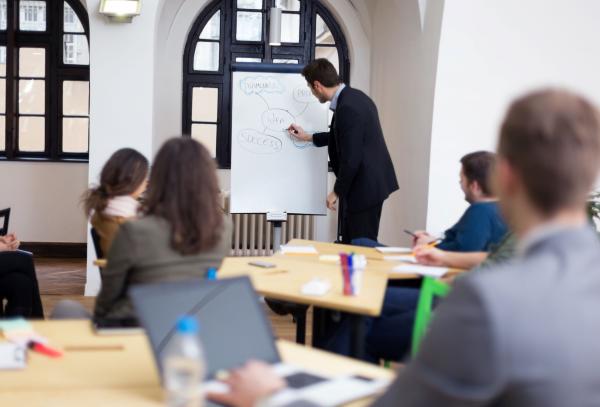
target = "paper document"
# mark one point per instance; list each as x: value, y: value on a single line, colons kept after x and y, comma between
x: 406, y: 258
x: 288, y: 249
x: 421, y: 270
x: 391, y: 250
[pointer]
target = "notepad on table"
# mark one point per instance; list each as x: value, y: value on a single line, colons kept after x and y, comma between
x: 289, y: 249
x: 406, y: 258
x: 392, y: 250
x: 421, y: 270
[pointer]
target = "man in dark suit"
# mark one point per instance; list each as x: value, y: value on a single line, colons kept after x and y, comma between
x: 357, y: 151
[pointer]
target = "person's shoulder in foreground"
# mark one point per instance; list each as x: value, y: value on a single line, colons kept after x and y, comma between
x: 523, y: 323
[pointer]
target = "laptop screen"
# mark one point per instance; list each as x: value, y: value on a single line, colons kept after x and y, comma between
x: 233, y: 325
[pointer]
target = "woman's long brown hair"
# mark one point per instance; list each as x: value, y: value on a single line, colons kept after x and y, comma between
x: 184, y: 190
x: 122, y: 174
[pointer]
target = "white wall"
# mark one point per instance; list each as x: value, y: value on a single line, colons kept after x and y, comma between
x: 404, y: 61
x: 490, y: 54
x: 44, y: 200
x: 121, y: 93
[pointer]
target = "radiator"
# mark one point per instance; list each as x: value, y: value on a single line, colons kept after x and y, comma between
x: 253, y: 235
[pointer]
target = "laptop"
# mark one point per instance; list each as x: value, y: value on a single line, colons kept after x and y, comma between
x: 233, y: 329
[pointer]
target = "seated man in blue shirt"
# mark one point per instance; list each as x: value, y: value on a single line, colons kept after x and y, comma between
x: 481, y: 225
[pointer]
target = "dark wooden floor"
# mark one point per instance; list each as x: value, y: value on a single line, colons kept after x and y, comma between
x: 61, y: 279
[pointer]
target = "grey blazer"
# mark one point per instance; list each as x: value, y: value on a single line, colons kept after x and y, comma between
x: 525, y: 334
x: 141, y: 253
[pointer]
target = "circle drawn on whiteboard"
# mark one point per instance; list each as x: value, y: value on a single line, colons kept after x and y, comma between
x: 258, y: 143
x: 299, y: 143
x: 277, y: 119
x: 257, y: 85
x: 303, y: 95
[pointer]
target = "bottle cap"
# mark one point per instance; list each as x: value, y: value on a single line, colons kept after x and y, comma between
x: 212, y: 274
x: 187, y: 325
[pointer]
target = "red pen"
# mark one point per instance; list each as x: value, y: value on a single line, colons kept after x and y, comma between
x: 44, y: 349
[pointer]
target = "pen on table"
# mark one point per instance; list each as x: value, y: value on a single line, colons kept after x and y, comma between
x: 44, y: 349
x: 269, y: 272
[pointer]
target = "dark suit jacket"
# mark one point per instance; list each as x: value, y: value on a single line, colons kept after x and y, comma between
x: 357, y: 151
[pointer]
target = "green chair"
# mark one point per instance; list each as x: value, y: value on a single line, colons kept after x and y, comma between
x: 430, y: 288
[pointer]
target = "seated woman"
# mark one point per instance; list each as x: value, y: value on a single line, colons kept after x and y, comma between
x: 115, y: 200
x: 18, y: 281
x: 183, y: 231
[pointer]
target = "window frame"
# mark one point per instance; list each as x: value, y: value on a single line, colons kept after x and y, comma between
x: 56, y: 73
x: 230, y: 48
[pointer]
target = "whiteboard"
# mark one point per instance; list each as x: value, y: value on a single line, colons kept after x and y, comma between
x: 270, y: 170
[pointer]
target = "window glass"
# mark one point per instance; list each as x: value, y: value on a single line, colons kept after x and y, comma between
x: 75, y: 49
x: 250, y: 4
x: 290, y: 28
x: 32, y: 134
x: 32, y: 15
x: 32, y: 62
x: 288, y: 5
x: 205, y: 103
x: 2, y: 61
x: 212, y: 30
x: 75, y: 135
x: 249, y: 26
x: 285, y: 61
x: 76, y: 96
x: 71, y: 22
x: 2, y: 133
x: 246, y: 59
x: 3, y: 23
x: 207, y: 135
x: 206, y: 57
x: 323, y: 33
x: 32, y: 96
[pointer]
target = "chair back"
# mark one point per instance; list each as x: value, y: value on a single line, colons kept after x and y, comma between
x: 96, y: 241
x: 4, y: 218
x: 430, y: 288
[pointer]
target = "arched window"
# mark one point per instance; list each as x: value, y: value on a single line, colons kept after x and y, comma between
x: 44, y: 80
x: 237, y: 31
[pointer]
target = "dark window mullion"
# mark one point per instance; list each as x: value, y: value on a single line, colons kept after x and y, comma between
x: 12, y: 15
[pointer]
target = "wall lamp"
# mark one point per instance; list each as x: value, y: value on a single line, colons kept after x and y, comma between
x: 120, y: 11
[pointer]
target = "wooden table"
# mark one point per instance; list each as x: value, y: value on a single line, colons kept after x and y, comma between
x: 126, y: 377
x: 285, y: 281
x: 375, y: 259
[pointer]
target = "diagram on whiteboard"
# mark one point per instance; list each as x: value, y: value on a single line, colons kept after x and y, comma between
x: 270, y: 169
x: 277, y: 114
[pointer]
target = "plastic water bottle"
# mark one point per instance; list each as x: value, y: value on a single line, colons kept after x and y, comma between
x: 183, y: 365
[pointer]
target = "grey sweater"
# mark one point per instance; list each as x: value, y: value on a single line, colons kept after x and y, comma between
x: 141, y: 254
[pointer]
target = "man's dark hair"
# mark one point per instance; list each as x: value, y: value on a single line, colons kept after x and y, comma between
x: 323, y: 71
x: 552, y: 139
x: 478, y: 167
